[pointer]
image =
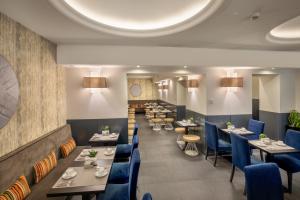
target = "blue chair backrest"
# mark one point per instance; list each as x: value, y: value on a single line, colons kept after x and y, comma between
x: 134, y: 173
x: 263, y: 182
x: 135, y: 143
x: 240, y: 151
x: 211, y: 135
x: 136, y: 128
x: 147, y: 196
x: 256, y: 127
x: 292, y: 138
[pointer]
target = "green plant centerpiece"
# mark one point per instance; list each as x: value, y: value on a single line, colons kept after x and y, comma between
x: 105, y: 130
x: 262, y: 135
x: 191, y: 119
x: 92, y: 153
x: 294, y: 119
x: 230, y: 125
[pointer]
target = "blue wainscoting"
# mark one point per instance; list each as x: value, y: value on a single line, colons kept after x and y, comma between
x: 83, y: 129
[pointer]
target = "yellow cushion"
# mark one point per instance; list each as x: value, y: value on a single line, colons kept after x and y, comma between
x: 68, y: 147
x: 18, y: 191
x: 43, y: 167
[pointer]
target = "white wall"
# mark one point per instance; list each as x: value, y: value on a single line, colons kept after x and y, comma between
x: 103, y: 103
x: 181, y: 94
x: 297, y: 93
x: 196, y: 99
x: 269, y: 93
x: 170, y: 95
x: 173, y: 56
x: 225, y: 101
x: 255, y: 87
x: 287, y: 90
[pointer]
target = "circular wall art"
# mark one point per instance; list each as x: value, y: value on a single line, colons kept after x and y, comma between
x: 9, y: 92
x: 136, y: 90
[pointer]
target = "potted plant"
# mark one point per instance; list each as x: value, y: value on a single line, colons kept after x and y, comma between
x: 92, y: 153
x: 294, y: 120
x: 230, y: 125
x: 105, y: 130
x: 262, y: 136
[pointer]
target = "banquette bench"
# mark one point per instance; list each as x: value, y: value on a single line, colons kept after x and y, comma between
x: 20, y: 162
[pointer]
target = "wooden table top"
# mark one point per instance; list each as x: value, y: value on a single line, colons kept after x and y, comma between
x: 238, y: 131
x: 99, y: 137
x: 85, y: 182
x: 272, y: 148
x: 186, y: 124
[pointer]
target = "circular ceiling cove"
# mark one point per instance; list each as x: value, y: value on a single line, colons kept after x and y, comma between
x: 138, y: 18
x: 287, y: 32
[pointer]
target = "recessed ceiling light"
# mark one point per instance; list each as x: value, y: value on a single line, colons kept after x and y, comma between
x: 273, y: 68
x: 138, y: 66
x: 185, y: 66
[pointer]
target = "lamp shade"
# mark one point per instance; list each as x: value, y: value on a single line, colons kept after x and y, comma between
x: 94, y: 82
x: 232, y: 82
x: 194, y: 83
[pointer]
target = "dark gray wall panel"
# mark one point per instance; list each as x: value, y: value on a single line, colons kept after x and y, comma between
x: 255, y: 109
x: 275, y: 123
x: 237, y: 120
x: 83, y: 129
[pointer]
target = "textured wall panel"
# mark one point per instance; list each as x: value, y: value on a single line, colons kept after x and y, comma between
x: 42, y: 85
x: 147, y: 86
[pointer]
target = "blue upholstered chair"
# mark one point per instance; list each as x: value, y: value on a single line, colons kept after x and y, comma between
x: 256, y: 127
x: 126, y: 191
x: 218, y: 146
x: 241, y: 156
x: 289, y: 162
x: 120, y: 170
x: 147, y: 196
x: 125, y: 150
x: 263, y: 182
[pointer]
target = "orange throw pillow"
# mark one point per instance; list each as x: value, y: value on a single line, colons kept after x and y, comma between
x: 18, y: 191
x: 68, y: 147
x: 43, y: 167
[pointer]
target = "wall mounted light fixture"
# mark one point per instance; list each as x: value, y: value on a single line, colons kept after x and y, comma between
x: 94, y: 82
x: 232, y: 82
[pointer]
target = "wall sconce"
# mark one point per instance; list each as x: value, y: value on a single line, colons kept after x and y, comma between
x: 232, y: 82
x: 193, y: 83
x: 165, y: 87
x: 94, y: 82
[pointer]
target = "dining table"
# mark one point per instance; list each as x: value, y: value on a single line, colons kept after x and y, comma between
x: 104, y: 139
x: 273, y: 147
x: 186, y: 124
x: 85, y: 182
x: 239, y: 131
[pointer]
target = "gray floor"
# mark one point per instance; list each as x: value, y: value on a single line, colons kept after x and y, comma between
x: 168, y: 174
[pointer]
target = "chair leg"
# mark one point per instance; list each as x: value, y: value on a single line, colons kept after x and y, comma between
x: 261, y: 155
x: 290, y: 181
x: 206, y: 155
x: 216, y: 158
x: 232, y: 173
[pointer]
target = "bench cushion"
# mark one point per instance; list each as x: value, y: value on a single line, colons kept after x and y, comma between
x: 39, y: 191
x: 18, y: 191
x: 43, y: 167
x: 68, y: 147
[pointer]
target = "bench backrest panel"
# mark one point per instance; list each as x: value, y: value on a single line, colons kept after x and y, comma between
x: 21, y: 161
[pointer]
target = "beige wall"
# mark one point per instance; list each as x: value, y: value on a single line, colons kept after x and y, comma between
x: 149, y: 92
x: 42, y: 105
x: 169, y: 95
x: 255, y: 87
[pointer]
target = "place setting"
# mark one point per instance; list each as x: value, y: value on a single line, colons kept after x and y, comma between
x: 92, y: 155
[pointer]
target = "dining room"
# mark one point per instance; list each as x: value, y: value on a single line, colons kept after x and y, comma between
x: 178, y: 100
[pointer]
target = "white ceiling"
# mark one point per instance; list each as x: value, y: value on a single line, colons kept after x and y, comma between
x: 229, y: 27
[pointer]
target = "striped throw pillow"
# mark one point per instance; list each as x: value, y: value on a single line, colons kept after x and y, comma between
x: 18, y: 191
x: 43, y: 167
x: 68, y: 147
